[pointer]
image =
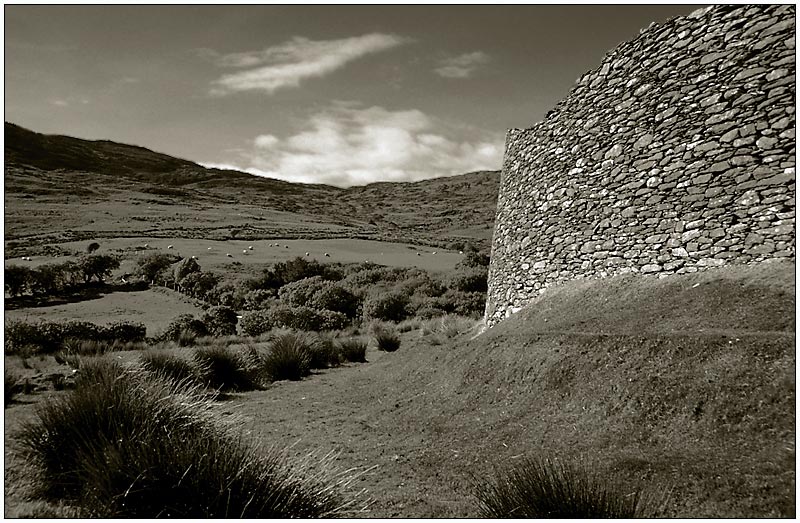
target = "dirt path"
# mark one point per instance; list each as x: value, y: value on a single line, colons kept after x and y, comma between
x: 350, y: 411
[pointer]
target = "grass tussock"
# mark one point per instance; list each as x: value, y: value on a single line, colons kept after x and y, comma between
x: 324, y: 351
x: 129, y: 444
x: 171, y: 366
x: 554, y: 489
x: 386, y: 337
x: 289, y: 357
x: 353, y: 350
x: 224, y: 369
x: 11, y: 387
x: 448, y: 326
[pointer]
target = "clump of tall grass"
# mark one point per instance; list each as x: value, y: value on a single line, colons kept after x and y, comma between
x: 171, y: 366
x: 11, y: 387
x: 323, y: 351
x: 386, y: 337
x: 448, y: 326
x: 543, y: 488
x: 130, y: 444
x: 353, y: 350
x: 289, y: 357
x: 224, y: 369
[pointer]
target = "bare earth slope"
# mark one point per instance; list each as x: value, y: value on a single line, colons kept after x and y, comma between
x: 683, y: 384
x: 126, y: 190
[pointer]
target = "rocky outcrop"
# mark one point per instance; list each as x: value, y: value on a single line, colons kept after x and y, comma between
x: 675, y: 155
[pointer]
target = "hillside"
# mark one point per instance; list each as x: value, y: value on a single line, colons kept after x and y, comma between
x: 691, y: 394
x: 129, y: 190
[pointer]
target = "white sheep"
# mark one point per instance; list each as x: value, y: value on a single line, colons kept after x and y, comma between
x: 244, y: 251
x: 229, y: 255
x: 307, y: 254
x: 327, y: 255
x: 209, y: 248
x: 194, y: 257
x: 418, y: 254
x: 286, y: 246
x: 250, y: 248
x: 434, y: 252
x: 146, y: 245
x: 170, y: 246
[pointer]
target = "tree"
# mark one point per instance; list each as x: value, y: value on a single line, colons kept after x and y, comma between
x: 220, y: 321
x: 97, y: 266
x: 17, y: 279
x: 184, y: 268
x: 149, y: 266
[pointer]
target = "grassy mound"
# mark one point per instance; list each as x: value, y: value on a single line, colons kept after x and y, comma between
x: 684, y: 383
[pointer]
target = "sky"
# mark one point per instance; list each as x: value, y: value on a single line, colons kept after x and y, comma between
x: 342, y: 95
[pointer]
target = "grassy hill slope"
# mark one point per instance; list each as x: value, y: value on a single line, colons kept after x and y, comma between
x: 684, y: 385
x: 132, y: 191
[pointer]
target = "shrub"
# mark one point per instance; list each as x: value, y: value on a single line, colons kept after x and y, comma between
x: 258, y: 299
x: 220, y: 321
x: 170, y: 366
x: 125, y: 332
x: 17, y: 279
x: 353, y: 350
x: 183, y: 268
x: 470, y: 280
x: 305, y: 318
x: 97, y: 266
x: 150, y: 266
x: 256, y: 323
x: 299, y: 293
x: 552, y: 489
x: 184, y: 326
x: 338, y: 299
x: 130, y: 445
x: 223, y: 369
x: 386, y: 337
x: 390, y: 306
x: 289, y: 357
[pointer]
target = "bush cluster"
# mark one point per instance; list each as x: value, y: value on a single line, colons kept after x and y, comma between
x: 52, y: 336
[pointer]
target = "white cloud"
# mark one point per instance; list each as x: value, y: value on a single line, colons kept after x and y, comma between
x: 461, y: 66
x: 350, y: 145
x: 287, y: 64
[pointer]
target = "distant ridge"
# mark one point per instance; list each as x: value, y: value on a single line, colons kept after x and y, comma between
x: 44, y: 174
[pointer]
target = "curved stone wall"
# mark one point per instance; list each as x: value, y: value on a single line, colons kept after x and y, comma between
x: 676, y: 154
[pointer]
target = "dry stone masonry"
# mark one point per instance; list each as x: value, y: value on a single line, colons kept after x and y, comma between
x: 676, y: 154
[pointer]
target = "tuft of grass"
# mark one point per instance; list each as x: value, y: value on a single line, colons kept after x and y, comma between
x: 543, y: 488
x: 11, y: 388
x: 353, y: 350
x: 386, y: 337
x: 448, y: 326
x: 130, y: 444
x: 170, y: 366
x: 289, y: 357
x: 324, y: 352
x: 223, y: 369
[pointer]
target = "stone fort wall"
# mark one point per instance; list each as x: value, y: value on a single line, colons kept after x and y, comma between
x: 676, y: 154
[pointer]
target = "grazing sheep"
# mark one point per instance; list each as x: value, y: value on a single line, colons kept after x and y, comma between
x: 327, y: 255
x: 250, y: 248
x: 229, y: 255
x: 244, y: 251
x: 286, y: 246
x: 146, y: 245
x: 209, y: 248
x: 194, y: 257
x: 307, y: 254
x: 170, y: 246
x: 434, y: 252
x: 277, y: 245
x: 418, y: 254
x: 460, y: 252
